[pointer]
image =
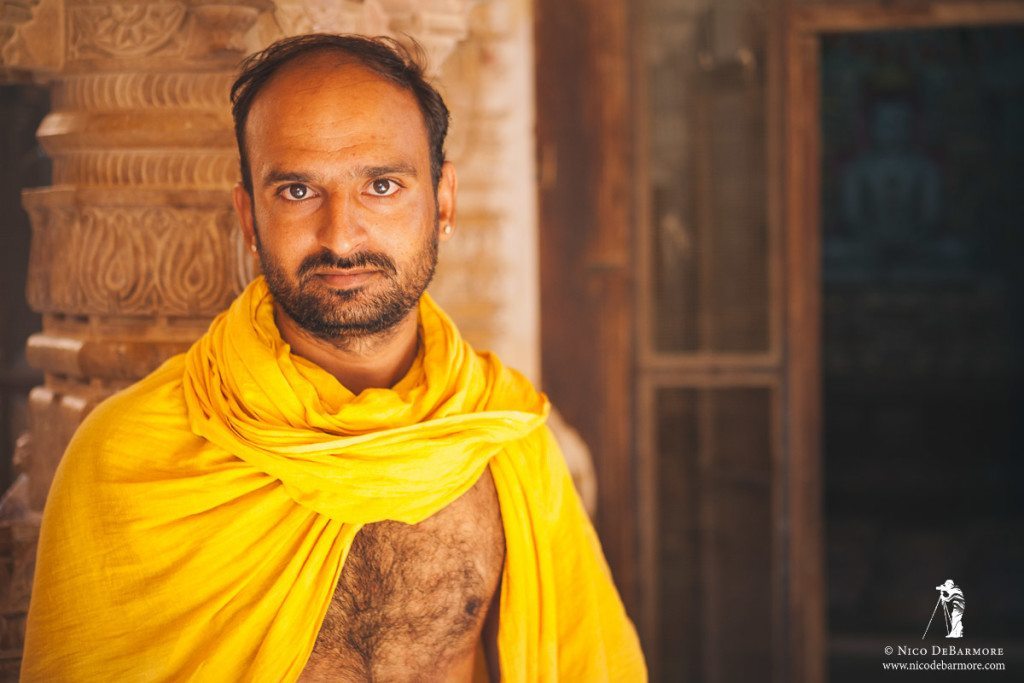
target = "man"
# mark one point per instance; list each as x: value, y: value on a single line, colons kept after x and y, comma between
x: 330, y: 485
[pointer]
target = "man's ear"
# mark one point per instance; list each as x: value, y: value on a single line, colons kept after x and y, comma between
x: 243, y: 207
x: 447, y: 190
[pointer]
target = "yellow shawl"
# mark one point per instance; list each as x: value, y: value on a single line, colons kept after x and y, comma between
x: 199, y: 520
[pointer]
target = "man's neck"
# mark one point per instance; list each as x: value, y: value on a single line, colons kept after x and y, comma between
x: 363, y: 363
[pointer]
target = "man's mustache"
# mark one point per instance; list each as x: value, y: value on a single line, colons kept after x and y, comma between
x: 326, y: 259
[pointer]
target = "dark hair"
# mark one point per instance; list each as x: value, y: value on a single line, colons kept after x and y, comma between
x: 384, y: 56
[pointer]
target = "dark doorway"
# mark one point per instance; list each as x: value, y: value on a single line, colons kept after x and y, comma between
x: 922, y: 191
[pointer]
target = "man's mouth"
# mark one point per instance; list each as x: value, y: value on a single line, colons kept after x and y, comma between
x: 346, y: 279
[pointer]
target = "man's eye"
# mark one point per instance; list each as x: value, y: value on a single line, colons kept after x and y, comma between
x: 296, y: 192
x: 382, y: 187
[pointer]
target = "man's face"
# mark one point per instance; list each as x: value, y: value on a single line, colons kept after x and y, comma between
x: 343, y: 210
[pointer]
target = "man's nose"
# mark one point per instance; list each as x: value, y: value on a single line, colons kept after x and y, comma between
x: 342, y: 230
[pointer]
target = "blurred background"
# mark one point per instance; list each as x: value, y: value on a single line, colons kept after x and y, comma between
x: 765, y: 257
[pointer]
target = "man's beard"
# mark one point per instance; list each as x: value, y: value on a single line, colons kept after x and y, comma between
x: 343, y: 316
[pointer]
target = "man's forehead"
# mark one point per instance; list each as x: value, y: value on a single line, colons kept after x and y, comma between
x: 324, y: 99
x: 326, y: 82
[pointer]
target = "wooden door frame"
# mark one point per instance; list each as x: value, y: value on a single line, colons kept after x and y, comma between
x: 804, y: 26
x: 584, y: 150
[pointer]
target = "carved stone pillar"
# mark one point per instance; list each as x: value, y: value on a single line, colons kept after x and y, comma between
x: 134, y: 245
x: 13, y: 13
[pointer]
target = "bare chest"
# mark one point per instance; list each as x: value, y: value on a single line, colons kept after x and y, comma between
x: 412, y: 598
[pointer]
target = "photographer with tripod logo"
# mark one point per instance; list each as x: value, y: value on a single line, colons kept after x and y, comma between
x: 952, y: 600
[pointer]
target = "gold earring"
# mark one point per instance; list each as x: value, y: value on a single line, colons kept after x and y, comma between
x: 448, y: 228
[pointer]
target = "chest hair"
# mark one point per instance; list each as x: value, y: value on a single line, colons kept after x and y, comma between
x: 412, y: 598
